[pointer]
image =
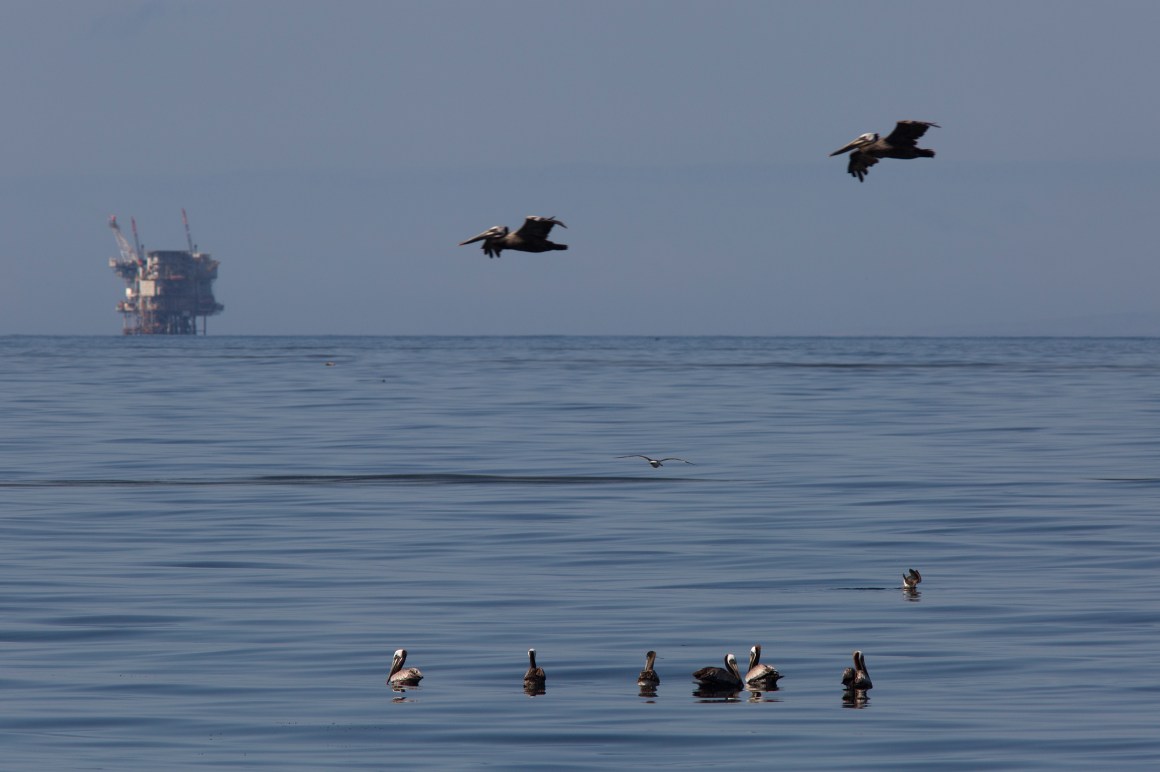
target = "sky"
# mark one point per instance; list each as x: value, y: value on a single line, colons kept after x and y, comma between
x: 332, y: 155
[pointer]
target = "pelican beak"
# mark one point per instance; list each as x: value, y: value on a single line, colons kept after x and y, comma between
x: 496, y: 230
x: 474, y: 239
x: 856, y: 143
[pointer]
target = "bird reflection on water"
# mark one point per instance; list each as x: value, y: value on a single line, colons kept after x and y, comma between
x: 717, y: 694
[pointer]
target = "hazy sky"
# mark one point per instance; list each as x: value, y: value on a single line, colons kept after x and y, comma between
x: 332, y: 154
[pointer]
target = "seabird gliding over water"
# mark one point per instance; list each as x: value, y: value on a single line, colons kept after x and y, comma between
x: 531, y: 237
x: 655, y: 462
x: 900, y: 143
x: 400, y: 676
x: 648, y: 676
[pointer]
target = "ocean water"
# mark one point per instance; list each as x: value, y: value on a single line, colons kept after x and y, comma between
x: 211, y: 547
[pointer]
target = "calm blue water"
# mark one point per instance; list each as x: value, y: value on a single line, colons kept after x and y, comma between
x: 211, y: 547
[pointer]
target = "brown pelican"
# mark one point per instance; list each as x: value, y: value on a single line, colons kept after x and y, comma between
x: 759, y: 674
x: 648, y: 676
x: 655, y: 462
x: 857, y: 678
x: 910, y: 581
x: 535, y: 677
x: 728, y: 677
x: 531, y: 237
x: 403, y: 677
x: 900, y: 143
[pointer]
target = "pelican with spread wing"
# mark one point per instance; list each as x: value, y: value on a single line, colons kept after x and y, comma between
x: 531, y: 237
x: 900, y: 143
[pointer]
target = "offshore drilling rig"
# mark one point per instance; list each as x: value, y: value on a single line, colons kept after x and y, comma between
x: 165, y: 290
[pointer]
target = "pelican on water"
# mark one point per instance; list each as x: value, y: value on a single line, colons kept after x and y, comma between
x: 759, y: 674
x: 655, y: 462
x: 535, y: 677
x: 900, y: 143
x: 648, y: 676
x: 910, y: 581
x: 857, y: 678
x: 531, y: 237
x: 728, y: 677
x: 400, y: 676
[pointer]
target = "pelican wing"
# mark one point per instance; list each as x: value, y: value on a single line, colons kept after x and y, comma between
x: 537, y: 228
x: 860, y: 164
x: 906, y: 133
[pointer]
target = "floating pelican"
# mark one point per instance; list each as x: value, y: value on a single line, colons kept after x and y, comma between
x: 648, y: 676
x: 534, y: 678
x: 655, y: 462
x: 857, y: 678
x: 910, y: 581
x: 400, y: 676
x: 531, y: 237
x: 759, y: 674
x: 900, y: 143
x: 728, y: 677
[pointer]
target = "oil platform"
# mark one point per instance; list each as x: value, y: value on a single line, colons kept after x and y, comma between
x: 165, y: 290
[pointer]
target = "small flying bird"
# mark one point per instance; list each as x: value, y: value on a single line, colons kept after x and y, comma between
x: 535, y: 676
x: 400, y: 676
x: 759, y: 674
x: 728, y: 677
x: 900, y: 143
x: 531, y: 237
x: 648, y: 676
x: 857, y: 678
x: 910, y: 581
x: 656, y: 462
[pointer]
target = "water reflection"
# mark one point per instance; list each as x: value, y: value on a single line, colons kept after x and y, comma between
x: 534, y: 689
x: 761, y: 695
x: 855, y: 698
x: 649, y: 691
x: 710, y: 694
x: 402, y: 688
x: 911, y: 594
x: 401, y: 693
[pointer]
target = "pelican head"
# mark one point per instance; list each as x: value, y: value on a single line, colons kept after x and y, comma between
x: 862, y: 141
x: 494, y: 232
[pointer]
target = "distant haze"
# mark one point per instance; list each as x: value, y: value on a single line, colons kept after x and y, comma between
x: 332, y: 155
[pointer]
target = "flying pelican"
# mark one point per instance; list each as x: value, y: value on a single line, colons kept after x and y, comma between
x: 648, y: 676
x: 531, y: 237
x: 910, y: 581
x: 655, y: 462
x: 400, y: 677
x: 759, y: 674
x: 534, y: 678
x: 728, y: 677
x: 857, y: 678
x: 900, y: 143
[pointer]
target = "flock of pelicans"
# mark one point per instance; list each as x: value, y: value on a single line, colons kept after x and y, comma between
x: 711, y: 681
x: 865, y: 151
